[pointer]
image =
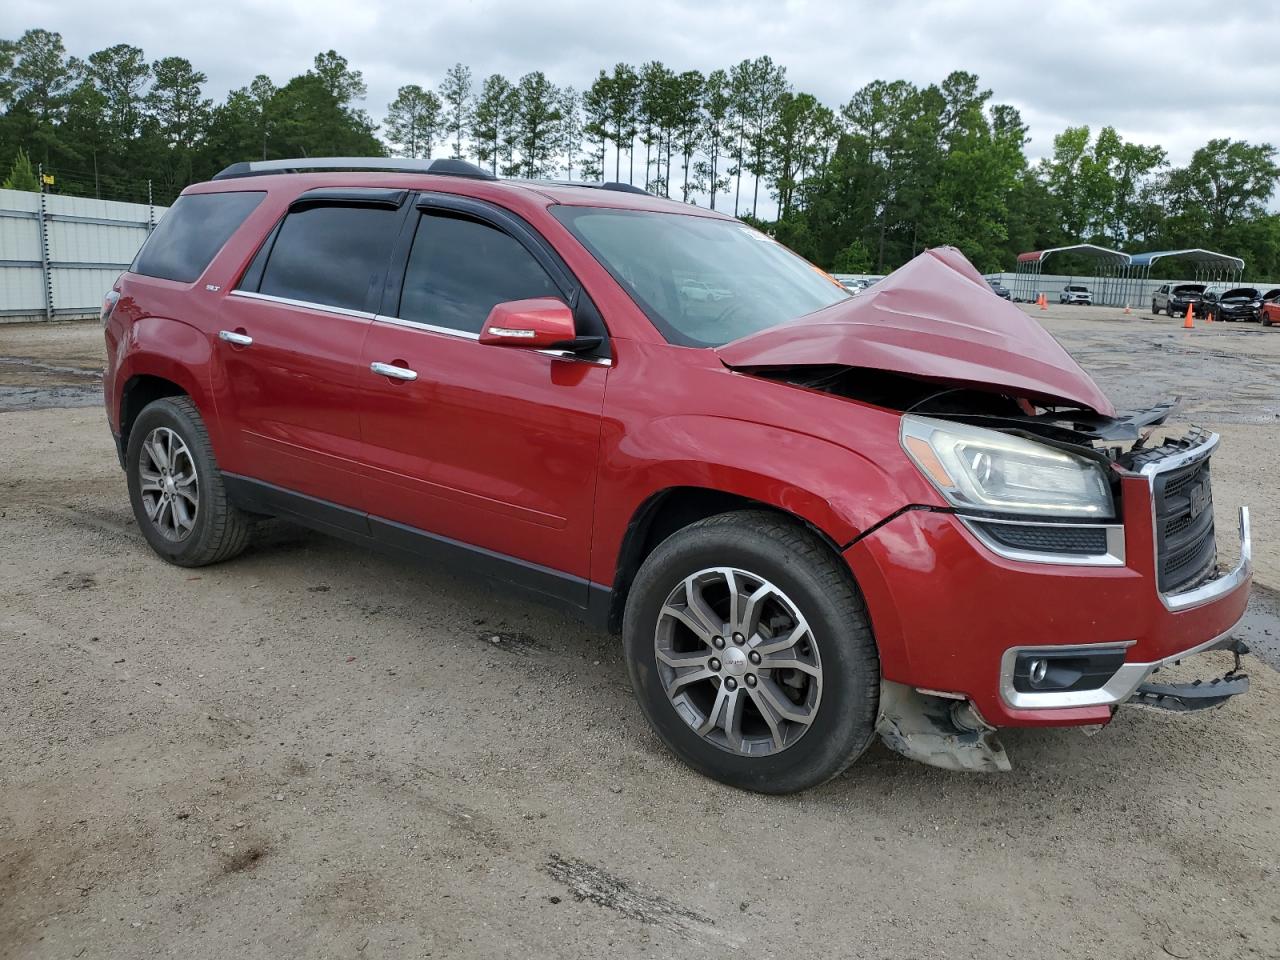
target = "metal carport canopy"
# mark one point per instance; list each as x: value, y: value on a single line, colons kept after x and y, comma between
x: 1111, y: 265
x: 1090, y: 249
x: 1195, y: 256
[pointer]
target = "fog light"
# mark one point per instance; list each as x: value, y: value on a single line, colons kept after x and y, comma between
x: 1054, y: 669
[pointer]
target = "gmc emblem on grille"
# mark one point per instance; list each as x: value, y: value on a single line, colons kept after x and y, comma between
x: 1199, y: 499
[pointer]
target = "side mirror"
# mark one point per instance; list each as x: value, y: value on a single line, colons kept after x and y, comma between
x: 536, y: 324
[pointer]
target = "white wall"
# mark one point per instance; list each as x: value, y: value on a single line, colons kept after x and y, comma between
x: 89, y: 243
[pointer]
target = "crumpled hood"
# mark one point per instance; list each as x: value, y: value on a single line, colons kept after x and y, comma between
x: 934, y: 318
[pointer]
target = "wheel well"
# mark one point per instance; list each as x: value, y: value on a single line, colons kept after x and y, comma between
x: 663, y: 514
x: 137, y: 393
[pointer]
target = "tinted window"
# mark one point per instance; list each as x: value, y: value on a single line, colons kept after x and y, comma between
x: 191, y: 234
x: 336, y: 256
x: 459, y: 269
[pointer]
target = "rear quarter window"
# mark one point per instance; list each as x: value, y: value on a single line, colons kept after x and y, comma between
x: 191, y: 234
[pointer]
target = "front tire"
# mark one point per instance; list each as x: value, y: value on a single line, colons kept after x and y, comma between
x: 176, y: 489
x: 751, y: 653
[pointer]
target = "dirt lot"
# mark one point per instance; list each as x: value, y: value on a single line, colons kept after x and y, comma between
x: 314, y: 751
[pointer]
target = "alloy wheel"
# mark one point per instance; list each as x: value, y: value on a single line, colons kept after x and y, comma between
x: 169, y: 484
x: 738, y: 661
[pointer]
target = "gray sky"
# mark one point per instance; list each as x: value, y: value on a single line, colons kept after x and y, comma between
x: 1171, y: 72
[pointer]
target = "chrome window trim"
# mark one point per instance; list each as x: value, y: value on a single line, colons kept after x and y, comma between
x: 305, y: 304
x: 1117, y: 690
x: 1220, y: 586
x: 1114, y: 556
x: 428, y: 327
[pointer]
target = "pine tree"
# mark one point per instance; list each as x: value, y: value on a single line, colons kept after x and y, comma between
x: 455, y: 94
x: 22, y: 176
x: 491, y: 119
x: 413, y: 121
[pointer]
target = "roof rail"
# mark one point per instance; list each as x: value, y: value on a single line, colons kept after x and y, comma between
x: 597, y: 185
x: 444, y: 166
x: 625, y: 188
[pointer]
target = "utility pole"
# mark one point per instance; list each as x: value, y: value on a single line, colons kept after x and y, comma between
x: 44, y: 249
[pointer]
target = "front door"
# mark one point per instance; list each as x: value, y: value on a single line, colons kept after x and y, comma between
x: 493, y: 447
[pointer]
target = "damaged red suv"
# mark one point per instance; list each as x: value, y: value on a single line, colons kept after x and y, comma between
x: 814, y: 518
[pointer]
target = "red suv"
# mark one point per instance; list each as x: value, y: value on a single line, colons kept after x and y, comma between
x: 814, y: 518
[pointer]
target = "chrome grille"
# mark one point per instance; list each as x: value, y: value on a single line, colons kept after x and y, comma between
x: 1186, y: 547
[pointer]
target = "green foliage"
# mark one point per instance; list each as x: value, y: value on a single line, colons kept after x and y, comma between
x: 22, y: 175
x: 855, y: 258
x: 455, y: 95
x: 898, y: 168
x: 492, y: 118
x: 535, y: 132
x: 414, y: 120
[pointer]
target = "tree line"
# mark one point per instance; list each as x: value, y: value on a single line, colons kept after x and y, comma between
x: 860, y: 188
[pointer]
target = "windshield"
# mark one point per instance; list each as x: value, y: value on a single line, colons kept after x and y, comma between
x: 702, y: 281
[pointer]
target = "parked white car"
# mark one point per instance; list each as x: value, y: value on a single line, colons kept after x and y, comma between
x: 1075, y: 293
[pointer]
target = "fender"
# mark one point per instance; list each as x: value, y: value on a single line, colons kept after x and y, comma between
x: 839, y: 492
x: 172, y: 350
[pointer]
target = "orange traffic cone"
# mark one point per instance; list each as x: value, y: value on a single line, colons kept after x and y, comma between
x: 1208, y: 316
x: 1044, y: 302
x: 1188, y: 323
x: 1126, y: 309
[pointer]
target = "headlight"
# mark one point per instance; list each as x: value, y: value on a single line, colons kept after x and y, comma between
x: 985, y: 470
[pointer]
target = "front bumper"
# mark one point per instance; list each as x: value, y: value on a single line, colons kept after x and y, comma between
x: 951, y: 615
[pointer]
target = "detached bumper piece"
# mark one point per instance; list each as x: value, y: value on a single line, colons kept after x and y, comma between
x: 936, y: 730
x: 1198, y: 694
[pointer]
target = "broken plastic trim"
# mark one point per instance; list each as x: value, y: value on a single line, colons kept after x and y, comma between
x: 941, y: 732
x: 1198, y: 694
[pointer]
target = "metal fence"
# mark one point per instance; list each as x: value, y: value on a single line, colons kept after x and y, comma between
x: 60, y: 255
x: 1131, y: 292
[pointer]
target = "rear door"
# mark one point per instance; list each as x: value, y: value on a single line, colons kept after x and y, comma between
x: 495, y: 447
x: 292, y: 334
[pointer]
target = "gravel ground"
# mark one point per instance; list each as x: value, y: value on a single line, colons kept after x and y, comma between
x: 315, y: 751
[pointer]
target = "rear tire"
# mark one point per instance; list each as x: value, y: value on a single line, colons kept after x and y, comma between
x: 176, y: 489
x: 798, y: 588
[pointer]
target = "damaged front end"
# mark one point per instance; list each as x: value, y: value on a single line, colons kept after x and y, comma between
x: 1113, y: 513
x: 1162, y: 501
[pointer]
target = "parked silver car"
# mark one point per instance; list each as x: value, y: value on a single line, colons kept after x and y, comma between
x: 1075, y: 293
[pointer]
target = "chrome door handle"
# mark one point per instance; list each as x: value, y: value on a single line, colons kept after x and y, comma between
x: 391, y: 370
x: 239, y: 339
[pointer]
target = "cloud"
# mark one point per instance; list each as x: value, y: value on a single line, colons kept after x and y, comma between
x: 1160, y: 72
